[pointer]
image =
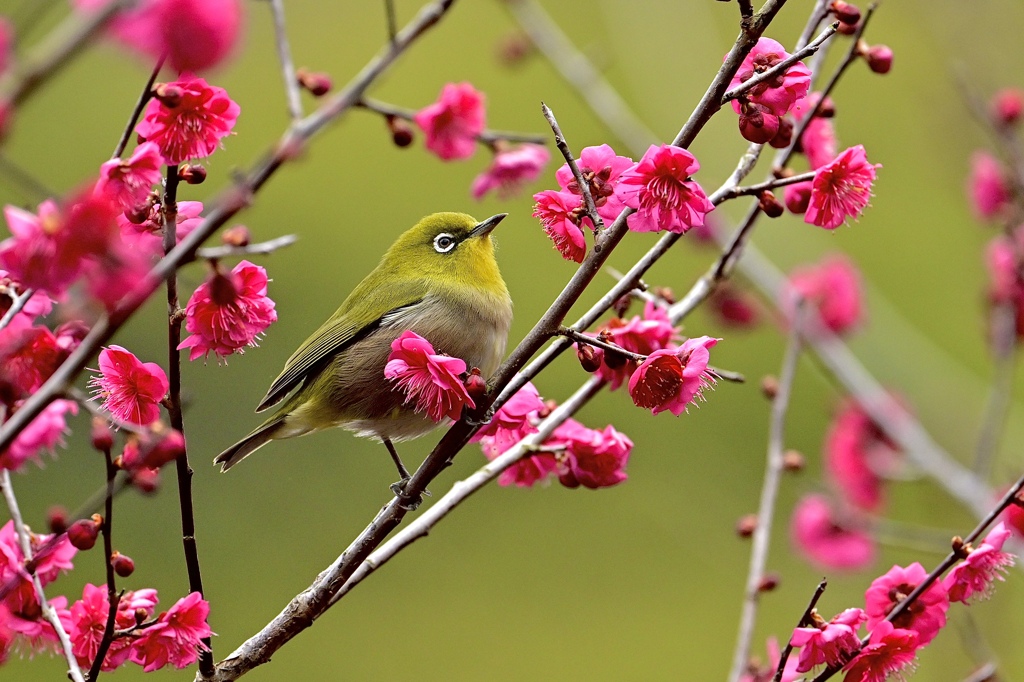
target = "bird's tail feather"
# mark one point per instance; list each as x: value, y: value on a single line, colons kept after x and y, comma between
x: 250, y: 444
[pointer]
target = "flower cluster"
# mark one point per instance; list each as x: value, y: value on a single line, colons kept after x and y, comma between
x: 763, y: 106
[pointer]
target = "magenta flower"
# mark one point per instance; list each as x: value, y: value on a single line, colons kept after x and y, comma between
x: 510, y: 170
x: 797, y: 197
x: 643, y: 335
x: 228, y: 312
x: 429, y: 380
x: 177, y: 636
x: 194, y: 34
x: 778, y: 94
x: 51, y: 562
x: 925, y: 616
x: 855, y: 449
x: 32, y: 632
x: 28, y: 356
x: 129, y: 182
x: 510, y: 424
x: 841, y: 189
x: 827, y: 541
x: 672, y: 378
x: 819, y: 142
x: 45, y: 432
x: 889, y: 651
x: 131, y: 389
x: 987, y: 186
x: 147, y: 236
x: 660, y: 189
x: 560, y: 215
x: 832, y: 287
x: 986, y: 563
x: 194, y: 128
x: 452, y: 123
x: 89, y: 619
x: 602, y: 169
x: 593, y: 459
x: 830, y: 643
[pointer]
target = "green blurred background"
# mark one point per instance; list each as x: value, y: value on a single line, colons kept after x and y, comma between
x: 642, y: 581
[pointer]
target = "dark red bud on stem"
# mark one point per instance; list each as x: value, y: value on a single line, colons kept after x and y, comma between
x: 57, y: 519
x: 590, y: 358
x: 771, y: 206
x: 192, y: 173
x: 123, y: 565
x: 401, y: 133
x: 879, y: 58
x: 82, y: 534
x: 746, y: 526
x: 102, y: 436
x: 317, y: 83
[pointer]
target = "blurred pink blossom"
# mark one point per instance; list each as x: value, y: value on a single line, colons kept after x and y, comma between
x: 825, y: 540
x: 452, y: 123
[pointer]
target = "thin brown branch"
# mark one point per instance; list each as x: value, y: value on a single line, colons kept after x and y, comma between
x: 113, y: 598
x: 767, y: 185
x: 284, y: 55
x: 805, y: 618
x: 259, y: 248
x: 581, y: 182
x: 17, y: 305
x: 769, y: 492
x: 140, y: 104
x: 580, y: 337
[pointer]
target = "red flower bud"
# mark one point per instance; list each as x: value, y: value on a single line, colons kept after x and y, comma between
x: 123, y: 565
x: 758, y: 124
x: 146, y: 480
x: 746, y: 526
x: 57, y: 519
x: 317, y: 83
x: 770, y: 386
x: 168, y: 449
x: 169, y: 94
x: 192, y: 173
x: 590, y: 357
x: 237, y: 235
x: 476, y: 385
x: 1008, y: 105
x: 793, y: 460
x: 769, y: 582
x: 771, y: 206
x: 102, y: 436
x: 879, y: 58
x: 847, y: 29
x: 82, y: 534
x: 621, y: 305
x: 784, y: 137
x: 514, y: 48
x: 401, y: 132
x: 845, y: 12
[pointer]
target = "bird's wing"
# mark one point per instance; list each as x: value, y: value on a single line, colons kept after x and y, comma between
x: 359, y: 315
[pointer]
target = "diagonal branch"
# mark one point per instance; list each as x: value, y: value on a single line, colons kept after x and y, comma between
x: 284, y: 54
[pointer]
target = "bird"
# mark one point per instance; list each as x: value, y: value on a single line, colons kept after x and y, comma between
x: 439, y: 279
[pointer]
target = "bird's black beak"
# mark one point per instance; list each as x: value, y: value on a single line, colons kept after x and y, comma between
x: 484, y: 228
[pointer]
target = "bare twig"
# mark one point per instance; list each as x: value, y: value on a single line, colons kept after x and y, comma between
x: 781, y: 668
x: 774, y: 183
x: 140, y: 104
x: 580, y: 337
x: 582, y: 182
x: 782, y: 66
x: 49, y: 613
x: 284, y: 54
x: 986, y: 673
x: 113, y: 598
x: 17, y: 305
x: 766, y: 510
x: 259, y: 248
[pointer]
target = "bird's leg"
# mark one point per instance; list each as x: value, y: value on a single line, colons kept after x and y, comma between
x: 398, y: 488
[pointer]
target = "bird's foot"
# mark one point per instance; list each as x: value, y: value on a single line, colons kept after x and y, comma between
x: 406, y: 501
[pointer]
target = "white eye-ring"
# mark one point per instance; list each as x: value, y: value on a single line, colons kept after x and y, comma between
x: 444, y: 242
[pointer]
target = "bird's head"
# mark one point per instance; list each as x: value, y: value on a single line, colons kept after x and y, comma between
x: 449, y: 249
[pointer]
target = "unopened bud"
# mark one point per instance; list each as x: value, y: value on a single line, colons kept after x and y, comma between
x: 845, y: 12
x: 769, y: 386
x: 237, y: 235
x: 769, y: 582
x: 590, y: 357
x: 771, y: 206
x: 666, y: 294
x: 793, y: 460
x: 82, y: 534
x: 102, y: 436
x: 317, y: 83
x: 1008, y: 105
x: 476, y: 385
x: 401, y: 132
x: 168, y: 94
x: 621, y: 305
x: 146, y: 480
x: 879, y: 58
x: 192, y: 173
x: 847, y: 29
x: 746, y: 526
x: 123, y: 565
x: 514, y: 48
x: 614, y: 360
x: 169, y: 448
x: 57, y: 519
x: 757, y: 124
x: 784, y: 137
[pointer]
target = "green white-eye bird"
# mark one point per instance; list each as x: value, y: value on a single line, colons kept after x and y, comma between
x: 439, y: 280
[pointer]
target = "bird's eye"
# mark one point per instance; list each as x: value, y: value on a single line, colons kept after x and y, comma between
x: 444, y: 242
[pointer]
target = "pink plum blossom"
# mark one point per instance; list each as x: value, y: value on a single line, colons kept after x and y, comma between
x: 855, y: 448
x: 176, y: 638
x: 925, y: 616
x: 28, y: 356
x: 841, y: 189
x: 147, y: 235
x: 672, y: 378
x: 889, y: 651
x: 452, y: 123
x: 45, y: 432
x: 510, y: 170
x: 660, y: 189
x: 828, y: 643
x: 984, y: 564
x: 560, y: 215
x: 228, y: 312
x: 819, y: 142
x: 510, y: 424
x: 593, y: 459
x: 429, y: 380
x: 832, y: 287
x: 52, y: 555
x: 987, y: 186
x: 129, y: 182
x: 194, y: 127
x: 640, y: 334
x: 35, y: 633
x: 825, y: 540
x: 131, y: 389
x: 603, y: 170
x: 778, y: 94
